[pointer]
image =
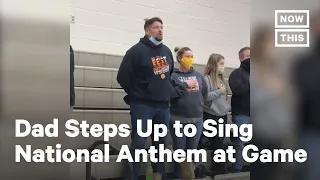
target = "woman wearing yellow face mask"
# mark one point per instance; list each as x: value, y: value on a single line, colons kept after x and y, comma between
x: 186, y: 104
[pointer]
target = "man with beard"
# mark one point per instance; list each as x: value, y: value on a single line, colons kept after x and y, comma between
x: 145, y: 75
x: 239, y: 82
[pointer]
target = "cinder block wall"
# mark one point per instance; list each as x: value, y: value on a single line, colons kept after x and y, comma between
x: 206, y: 26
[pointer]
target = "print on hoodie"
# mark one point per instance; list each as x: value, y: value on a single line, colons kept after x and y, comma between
x: 187, y: 102
x: 160, y: 66
x: 192, y: 89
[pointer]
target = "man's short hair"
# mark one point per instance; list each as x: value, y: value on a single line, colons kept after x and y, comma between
x: 149, y: 22
x: 243, y: 50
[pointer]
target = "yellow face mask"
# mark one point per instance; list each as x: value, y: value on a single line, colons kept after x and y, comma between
x: 186, y: 62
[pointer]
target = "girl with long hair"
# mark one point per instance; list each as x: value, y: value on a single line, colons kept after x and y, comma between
x: 216, y: 105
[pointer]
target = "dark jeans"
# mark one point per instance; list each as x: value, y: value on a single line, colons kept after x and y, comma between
x: 185, y: 142
x: 158, y: 116
x: 239, y: 144
x: 216, y: 142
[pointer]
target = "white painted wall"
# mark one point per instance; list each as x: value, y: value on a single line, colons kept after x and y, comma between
x: 206, y: 26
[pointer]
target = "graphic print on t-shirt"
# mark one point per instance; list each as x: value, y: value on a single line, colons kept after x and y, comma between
x: 160, y: 66
x: 192, y: 89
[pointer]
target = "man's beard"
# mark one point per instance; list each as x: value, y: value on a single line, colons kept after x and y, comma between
x: 158, y: 39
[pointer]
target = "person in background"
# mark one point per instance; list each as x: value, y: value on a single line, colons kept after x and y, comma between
x: 270, y: 103
x: 186, y: 105
x: 72, y: 93
x: 239, y: 82
x: 306, y: 76
x: 216, y: 106
x: 144, y: 74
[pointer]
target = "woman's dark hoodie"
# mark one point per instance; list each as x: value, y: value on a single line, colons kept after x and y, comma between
x: 187, y: 103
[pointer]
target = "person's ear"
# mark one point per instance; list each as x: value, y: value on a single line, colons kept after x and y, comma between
x: 147, y: 32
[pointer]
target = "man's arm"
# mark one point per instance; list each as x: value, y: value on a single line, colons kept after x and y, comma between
x: 171, y: 68
x: 172, y: 62
x: 72, y: 93
x: 71, y: 60
x: 237, y: 84
x: 125, y: 71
